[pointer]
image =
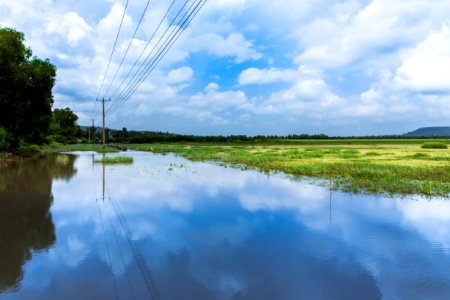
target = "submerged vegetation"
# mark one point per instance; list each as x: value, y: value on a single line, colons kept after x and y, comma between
x: 376, y: 166
x: 115, y: 160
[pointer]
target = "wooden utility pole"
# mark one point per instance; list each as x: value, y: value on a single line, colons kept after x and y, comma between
x: 89, y: 130
x: 103, y: 114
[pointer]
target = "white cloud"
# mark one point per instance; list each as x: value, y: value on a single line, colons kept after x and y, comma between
x: 435, y: 108
x: 264, y: 76
x: 210, y: 105
x: 427, y: 66
x: 311, y: 98
x: 379, y: 26
x: 109, y: 25
x: 212, y: 87
x: 233, y: 5
x: 234, y: 45
x: 215, y: 100
x: 69, y: 25
x: 180, y: 75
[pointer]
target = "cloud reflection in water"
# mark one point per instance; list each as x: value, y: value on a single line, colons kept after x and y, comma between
x: 209, y: 232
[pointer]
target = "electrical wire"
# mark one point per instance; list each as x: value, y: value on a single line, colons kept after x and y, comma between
x: 124, y: 91
x: 138, y: 75
x: 146, y: 46
x: 129, y: 46
x: 162, y: 51
x: 114, y: 49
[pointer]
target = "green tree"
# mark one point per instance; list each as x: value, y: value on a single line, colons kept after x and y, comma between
x: 5, y: 139
x: 26, y: 84
x: 64, y: 125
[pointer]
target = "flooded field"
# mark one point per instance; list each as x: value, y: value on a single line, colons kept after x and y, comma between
x: 166, y: 228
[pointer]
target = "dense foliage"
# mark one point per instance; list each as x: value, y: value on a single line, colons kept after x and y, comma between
x: 26, y: 98
x: 434, y: 145
x: 63, y: 127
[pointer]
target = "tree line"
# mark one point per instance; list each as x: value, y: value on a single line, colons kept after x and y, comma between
x: 26, y: 98
x: 139, y: 137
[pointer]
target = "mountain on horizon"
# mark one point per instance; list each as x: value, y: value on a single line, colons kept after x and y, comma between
x: 429, y: 132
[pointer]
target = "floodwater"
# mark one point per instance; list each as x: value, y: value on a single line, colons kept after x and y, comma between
x: 167, y: 228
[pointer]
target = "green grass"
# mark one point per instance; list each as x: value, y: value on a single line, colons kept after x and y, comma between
x: 115, y: 160
x: 81, y: 147
x: 390, y: 168
x: 420, y: 155
x: 373, y: 154
x: 351, y: 153
x: 434, y: 145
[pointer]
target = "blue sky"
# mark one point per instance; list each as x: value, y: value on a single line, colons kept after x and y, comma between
x: 254, y: 66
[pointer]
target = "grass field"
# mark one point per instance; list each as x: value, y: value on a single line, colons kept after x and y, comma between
x: 371, y: 166
x: 115, y: 160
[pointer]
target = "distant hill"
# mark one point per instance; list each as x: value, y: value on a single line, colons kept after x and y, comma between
x: 429, y: 131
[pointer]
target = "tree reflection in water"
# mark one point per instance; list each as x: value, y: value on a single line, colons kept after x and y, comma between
x: 26, y: 223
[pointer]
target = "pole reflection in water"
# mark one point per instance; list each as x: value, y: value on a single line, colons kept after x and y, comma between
x: 330, y: 207
x: 113, y: 213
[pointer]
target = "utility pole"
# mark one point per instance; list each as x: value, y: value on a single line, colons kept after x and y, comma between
x: 103, y: 113
x: 89, y: 130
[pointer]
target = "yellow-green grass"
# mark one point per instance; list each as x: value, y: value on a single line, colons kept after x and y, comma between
x: 391, y: 167
x: 115, y: 160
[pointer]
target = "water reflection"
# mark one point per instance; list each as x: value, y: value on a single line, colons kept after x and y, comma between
x: 25, y: 221
x: 165, y: 228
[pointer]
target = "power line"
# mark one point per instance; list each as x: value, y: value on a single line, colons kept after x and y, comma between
x: 138, y: 75
x: 138, y: 72
x: 146, y: 46
x: 159, y: 57
x: 113, y: 50
x: 128, y: 48
x: 162, y: 51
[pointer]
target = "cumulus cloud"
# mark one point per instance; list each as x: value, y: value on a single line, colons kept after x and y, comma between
x: 311, y: 98
x: 379, y: 26
x: 218, y: 100
x: 234, y: 45
x: 427, y: 66
x: 211, y: 105
x: 69, y: 25
x: 180, y: 75
x: 264, y: 76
